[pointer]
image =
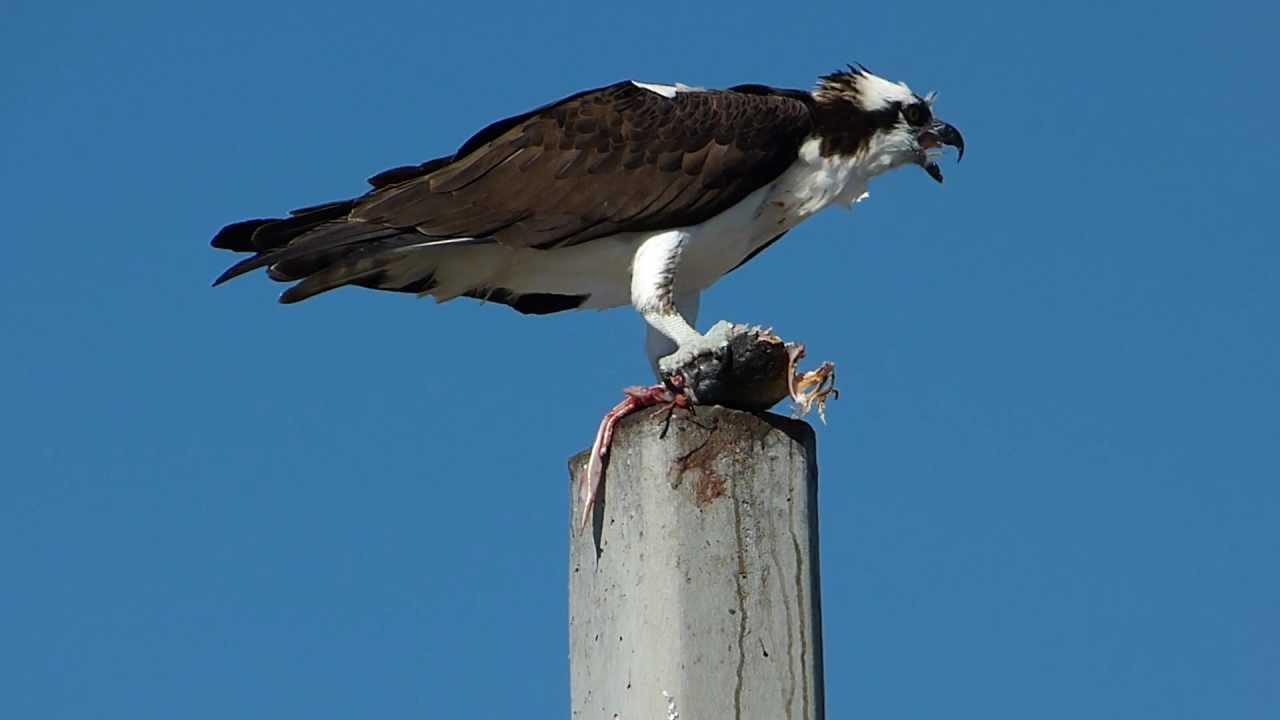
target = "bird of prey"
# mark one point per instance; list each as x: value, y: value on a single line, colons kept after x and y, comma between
x: 634, y: 193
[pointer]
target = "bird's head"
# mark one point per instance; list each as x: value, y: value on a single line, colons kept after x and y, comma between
x: 884, y: 124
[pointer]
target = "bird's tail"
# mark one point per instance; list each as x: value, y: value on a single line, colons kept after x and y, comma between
x: 319, y: 248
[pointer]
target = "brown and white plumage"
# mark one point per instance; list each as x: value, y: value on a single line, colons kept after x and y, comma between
x: 627, y: 193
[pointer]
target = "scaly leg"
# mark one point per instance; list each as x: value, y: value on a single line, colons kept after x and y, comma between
x: 656, y: 344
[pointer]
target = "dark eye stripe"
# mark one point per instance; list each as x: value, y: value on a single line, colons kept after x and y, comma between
x: 917, y: 113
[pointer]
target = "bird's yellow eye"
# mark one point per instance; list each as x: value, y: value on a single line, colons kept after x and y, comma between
x: 916, y: 114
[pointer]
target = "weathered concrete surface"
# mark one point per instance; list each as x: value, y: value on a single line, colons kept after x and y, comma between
x: 695, y: 588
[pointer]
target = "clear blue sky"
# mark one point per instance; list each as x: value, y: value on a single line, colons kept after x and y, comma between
x: 1050, y: 489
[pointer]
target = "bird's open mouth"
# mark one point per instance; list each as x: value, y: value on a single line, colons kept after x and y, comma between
x: 932, y: 140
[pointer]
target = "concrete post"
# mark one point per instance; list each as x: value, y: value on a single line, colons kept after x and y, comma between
x: 693, y: 593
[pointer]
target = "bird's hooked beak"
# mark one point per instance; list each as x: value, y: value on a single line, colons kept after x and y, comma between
x: 937, y: 135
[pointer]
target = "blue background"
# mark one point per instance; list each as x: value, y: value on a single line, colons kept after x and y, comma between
x: 1049, y: 488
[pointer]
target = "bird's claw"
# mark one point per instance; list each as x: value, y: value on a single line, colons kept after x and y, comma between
x: 710, y: 345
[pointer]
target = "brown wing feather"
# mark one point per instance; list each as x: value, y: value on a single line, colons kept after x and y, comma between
x: 615, y: 159
x: 658, y: 162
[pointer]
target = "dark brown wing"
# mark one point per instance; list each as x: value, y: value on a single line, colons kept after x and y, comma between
x: 616, y: 159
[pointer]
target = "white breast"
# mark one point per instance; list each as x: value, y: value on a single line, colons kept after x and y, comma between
x: 811, y: 184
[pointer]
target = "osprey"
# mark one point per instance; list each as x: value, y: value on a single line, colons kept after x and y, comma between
x: 631, y: 193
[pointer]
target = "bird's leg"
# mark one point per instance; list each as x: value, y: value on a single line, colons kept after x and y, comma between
x: 653, y: 293
x: 684, y: 342
x: 658, y: 345
x: 673, y: 343
x: 711, y: 349
x: 653, y: 274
